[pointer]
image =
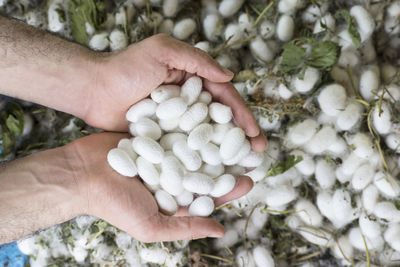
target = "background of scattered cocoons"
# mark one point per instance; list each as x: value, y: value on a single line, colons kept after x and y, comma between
x: 322, y: 78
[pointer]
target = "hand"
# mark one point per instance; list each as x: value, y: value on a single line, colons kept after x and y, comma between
x: 126, y: 77
x: 126, y: 202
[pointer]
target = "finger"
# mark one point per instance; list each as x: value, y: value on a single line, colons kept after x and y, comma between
x: 179, y: 55
x: 227, y: 94
x: 243, y: 185
x: 259, y: 143
x: 182, y: 211
x: 169, y: 228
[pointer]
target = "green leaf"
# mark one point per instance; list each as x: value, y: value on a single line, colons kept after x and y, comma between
x: 7, y: 141
x: 397, y: 204
x: 82, y: 12
x: 15, y: 118
x: 351, y: 27
x: 324, y: 55
x: 281, y: 167
x: 292, y: 57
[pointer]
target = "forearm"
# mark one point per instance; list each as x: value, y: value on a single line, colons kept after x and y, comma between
x: 36, y: 192
x: 39, y: 67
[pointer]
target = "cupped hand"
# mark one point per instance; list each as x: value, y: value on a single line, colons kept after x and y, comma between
x: 127, y: 76
x: 126, y: 202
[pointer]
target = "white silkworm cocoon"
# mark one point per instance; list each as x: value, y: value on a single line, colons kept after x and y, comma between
x: 184, y: 28
x: 270, y: 122
x: 363, y: 146
x: 220, y: 131
x: 171, y: 108
x: 285, y: 28
x: 220, y: 113
x: 341, y: 208
x: 350, y: 164
x: 332, y: 99
x: 210, y: 154
x: 262, y: 257
x: 201, y: 206
x: 168, y: 140
x: 369, y: 83
x: 382, y: 120
x: 223, y: 185
x: 166, y: 26
x: 204, y: 45
x: 146, y: 127
x: 362, y: 176
x: 99, y: 41
x: 190, y: 158
x: 165, y: 92
x: 28, y: 124
x: 388, y: 185
x: 261, y: 50
x: 284, y: 92
x: 266, y: 29
x: 170, y: 164
x: 170, y: 7
x: 316, y: 236
x: 365, y: 22
x: 349, y: 57
x: 144, y: 108
x: 230, y: 238
x: 260, y: 172
x: 307, y: 82
x: 280, y: 195
x: 212, y: 170
x: 121, y: 162
x: 193, y: 116
x: 338, y: 147
x: 184, y: 198
x: 200, y: 136
x: 307, y: 165
x: 191, y: 89
x: 349, y: 117
x: 302, y: 132
x: 393, y: 93
x: 356, y: 239
x: 325, y: 174
x: 328, y: 21
x: 118, y: 40
x: 387, y: 211
x: 171, y: 182
x: 147, y: 171
x: 308, y: 213
x: 290, y: 6
x: 246, y: 22
x: 205, y: 97
x: 153, y: 255
x: 166, y: 202
x: 342, y: 248
x: 369, y: 226
x: 233, y: 33
x: 225, y: 61
x: 148, y: 149
x: 369, y: 198
x: 212, y: 26
x: 323, y: 139
x: 198, y: 183
x: 392, y: 236
x: 341, y: 176
x: 228, y: 8
x: 153, y: 21
x: 324, y: 204
x: 252, y: 160
x: 232, y: 143
x: 393, y: 141
x: 53, y: 17
x: 242, y: 153
x: 169, y: 125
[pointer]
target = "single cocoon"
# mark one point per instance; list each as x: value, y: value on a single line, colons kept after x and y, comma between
x: 170, y: 7
x: 387, y: 211
x: 392, y: 236
x: 200, y: 136
x: 369, y: 83
x: 212, y: 25
x: 147, y: 171
x: 126, y: 145
x: 228, y: 8
x: 302, y: 132
x: 166, y: 202
x: 201, y: 206
x: 219, y: 132
x: 362, y: 176
x: 118, y: 40
x: 191, y: 89
x: 223, y: 185
x: 307, y: 165
x: 190, y: 158
x: 144, y: 108
x: 232, y: 143
x: 184, y: 28
x: 146, y: 127
x: 167, y: 141
x: 212, y: 170
x: 198, y: 183
x: 332, y: 99
x: 369, y: 198
x: 388, y: 185
x: 262, y: 257
x: 121, y: 162
x: 285, y: 28
x: 241, y: 154
x: 233, y: 32
x: 280, y: 195
x: 171, y: 182
x: 210, y: 154
x: 165, y: 92
x: 325, y: 173
x: 308, y: 213
x: 148, y: 149
x: 369, y: 226
x: 382, y: 120
x: 349, y: 117
x: 261, y: 50
x: 306, y: 84
x: 365, y: 22
x: 220, y: 113
x: 252, y: 160
x: 99, y: 41
x: 184, y: 198
x: 171, y: 108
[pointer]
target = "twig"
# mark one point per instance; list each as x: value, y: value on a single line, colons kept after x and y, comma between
x: 261, y: 15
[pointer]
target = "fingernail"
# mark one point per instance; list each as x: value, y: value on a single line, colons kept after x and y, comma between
x: 216, y: 235
x: 227, y: 71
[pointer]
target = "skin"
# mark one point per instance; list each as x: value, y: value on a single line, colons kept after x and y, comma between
x: 56, y: 185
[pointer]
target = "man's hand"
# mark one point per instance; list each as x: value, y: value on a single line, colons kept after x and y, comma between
x: 126, y: 77
x: 56, y: 185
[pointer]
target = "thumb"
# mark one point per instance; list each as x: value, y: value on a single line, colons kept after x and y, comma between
x: 182, y: 56
x: 169, y: 228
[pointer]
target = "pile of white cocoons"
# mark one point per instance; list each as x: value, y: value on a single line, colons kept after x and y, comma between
x: 184, y: 147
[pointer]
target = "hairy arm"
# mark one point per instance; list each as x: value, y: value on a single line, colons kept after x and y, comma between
x: 36, y: 192
x: 39, y: 67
